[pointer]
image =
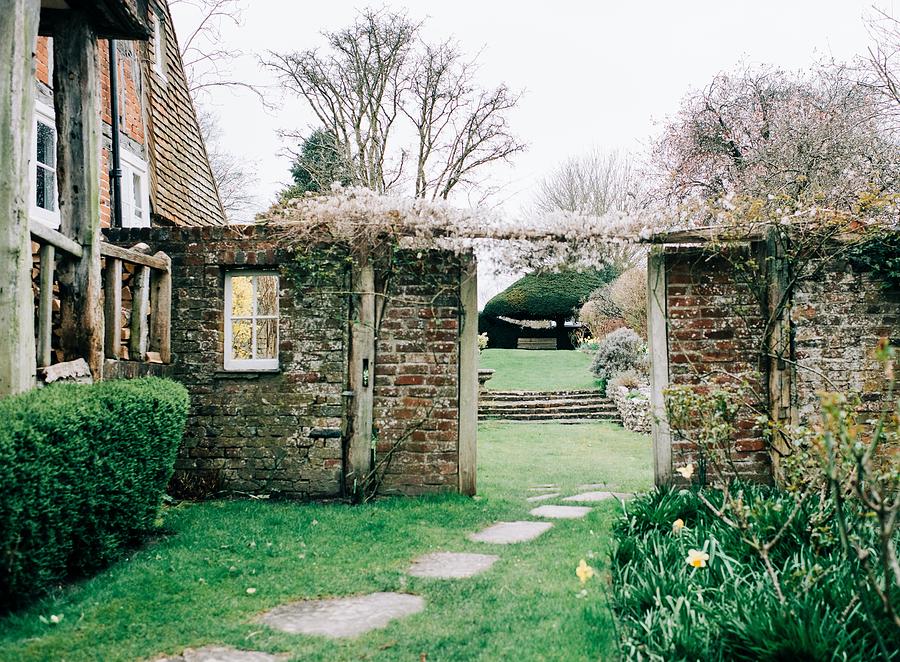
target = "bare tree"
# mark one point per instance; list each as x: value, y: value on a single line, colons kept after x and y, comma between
x: 207, y: 66
x: 378, y: 71
x: 883, y: 62
x: 207, y: 60
x: 234, y: 178
x: 596, y: 183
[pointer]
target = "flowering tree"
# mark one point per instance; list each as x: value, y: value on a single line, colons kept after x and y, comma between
x: 810, y: 139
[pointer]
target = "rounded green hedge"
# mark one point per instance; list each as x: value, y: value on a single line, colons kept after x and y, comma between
x: 83, y: 470
x: 547, y: 296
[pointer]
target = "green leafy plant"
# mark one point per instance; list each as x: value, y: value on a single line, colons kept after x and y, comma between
x: 84, y: 470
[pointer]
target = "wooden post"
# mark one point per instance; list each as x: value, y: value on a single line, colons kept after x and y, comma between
x: 18, y: 35
x: 112, y: 312
x: 658, y: 335
x: 45, y: 307
x: 362, y: 376
x: 140, y: 308
x: 76, y: 87
x: 468, y: 377
x: 782, y: 408
x: 161, y: 310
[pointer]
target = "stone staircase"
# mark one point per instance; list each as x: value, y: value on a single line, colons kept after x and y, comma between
x: 562, y: 406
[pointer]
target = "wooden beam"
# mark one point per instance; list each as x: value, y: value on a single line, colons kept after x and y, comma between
x: 140, y: 309
x: 45, y: 306
x: 76, y: 85
x: 468, y: 377
x: 18, y: 34
x: 47, y: 235
x: 361, y: 378
x: 112, y: 308
x: 658, y: 335
x: 135, y: 257
x: 161, y: 310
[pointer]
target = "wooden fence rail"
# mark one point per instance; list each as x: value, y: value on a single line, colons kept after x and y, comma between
x: 151, y: 297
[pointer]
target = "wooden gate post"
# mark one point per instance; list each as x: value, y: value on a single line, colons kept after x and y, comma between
x: 75, y: 95
x: 18, y: 35
x: 658, y: 336
x: 468, y: 377
x: 362, y: 376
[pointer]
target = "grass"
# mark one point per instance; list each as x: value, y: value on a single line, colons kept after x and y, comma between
x: 538, y: 370
x: 189, y: 588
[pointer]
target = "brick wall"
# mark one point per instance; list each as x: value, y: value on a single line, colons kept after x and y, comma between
x: 715, y: 327
x: 838, y: 317
x: 715, y: 332
x: 282, y: 433
x: 417, y: 379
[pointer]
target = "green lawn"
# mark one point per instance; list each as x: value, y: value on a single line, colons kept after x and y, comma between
x: 538, y: 370
x: 189, y: 588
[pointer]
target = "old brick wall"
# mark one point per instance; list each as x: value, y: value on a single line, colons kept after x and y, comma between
x: 281, y: 433
x: 252, y: 432
x: 417, y: 379
x: 837, y: 318
x: 715, y: 330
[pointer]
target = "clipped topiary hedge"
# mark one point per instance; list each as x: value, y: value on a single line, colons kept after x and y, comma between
x: 547, y: 296
x: 83, y: 471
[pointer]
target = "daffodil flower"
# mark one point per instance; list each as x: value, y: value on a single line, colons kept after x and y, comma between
x: 686, y: 471
x: 677, y: 525
x: 584, y: 571
x: 697, y: 558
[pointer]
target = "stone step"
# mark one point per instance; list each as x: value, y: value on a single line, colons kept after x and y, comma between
x: 550, y: 417
x: 487, y: 397
x: 555, y: 411
x: 543, y: 394
x: 545, y: 404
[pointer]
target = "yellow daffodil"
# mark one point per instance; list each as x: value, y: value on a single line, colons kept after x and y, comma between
x: 584, y: 571
x: 677, y: 525
x: 697, y: 558
x: 686, y: 471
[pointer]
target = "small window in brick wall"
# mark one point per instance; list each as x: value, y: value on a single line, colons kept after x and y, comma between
x: 251, y: 321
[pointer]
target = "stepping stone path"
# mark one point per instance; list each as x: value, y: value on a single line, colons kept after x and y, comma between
x: 222, y: 654
x: 506, y: 533
x: 343, y: 617
x: 542, y: 497
x: 561, y: 512
x: 542, y: 488
x: 451, y: 565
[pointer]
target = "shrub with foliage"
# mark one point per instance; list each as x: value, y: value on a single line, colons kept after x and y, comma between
x: 547, y: 296
x: 84, y: 470
x: 724, y: 607
x: 622, y: 350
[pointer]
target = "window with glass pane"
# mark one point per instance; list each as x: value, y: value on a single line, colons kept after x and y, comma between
x: 45, y: 189
x: 251, y: 321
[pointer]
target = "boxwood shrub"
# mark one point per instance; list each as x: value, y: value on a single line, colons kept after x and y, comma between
x: 83, y: 470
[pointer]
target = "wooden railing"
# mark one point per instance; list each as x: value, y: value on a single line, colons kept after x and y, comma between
x: 151, y: 297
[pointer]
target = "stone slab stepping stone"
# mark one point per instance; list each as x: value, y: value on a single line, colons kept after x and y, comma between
x: 560, y: 512
x: 587, y: 497
x: 343, y: 617
x: 222, y: 654
x: 593, y: 486
x: 541, y: 497
x: 542, y: 488
x: 451, y: 565
x: 505, y: 533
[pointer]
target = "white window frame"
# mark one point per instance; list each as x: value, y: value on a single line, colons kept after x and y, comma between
x: 47, y: 116
x: 232, y: 364
x: 159, y: 46
x: 134, y: 165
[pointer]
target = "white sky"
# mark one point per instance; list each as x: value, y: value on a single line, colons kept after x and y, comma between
x: 595, y: 73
